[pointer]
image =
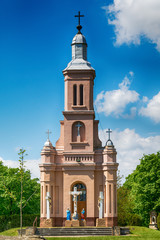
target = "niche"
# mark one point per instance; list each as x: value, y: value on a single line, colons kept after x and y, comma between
x: 78, y: 132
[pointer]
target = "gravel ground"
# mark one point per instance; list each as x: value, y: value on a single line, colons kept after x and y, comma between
x: 20, y: 238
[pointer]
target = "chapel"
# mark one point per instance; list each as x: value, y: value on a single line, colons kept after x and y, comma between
x: 78, y: 158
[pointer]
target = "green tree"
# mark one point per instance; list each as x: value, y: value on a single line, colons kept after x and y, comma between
x: 10, y: 191
x: 119, y: 179
x: 126, y: 206
x: 158, y: 221
x: 125, y: 203
x: 144, y: 186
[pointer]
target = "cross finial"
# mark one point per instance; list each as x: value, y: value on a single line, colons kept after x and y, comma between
x: 48, y: 132
x: 109, y: 132
x: 109, y: 142
x: 79, y: 27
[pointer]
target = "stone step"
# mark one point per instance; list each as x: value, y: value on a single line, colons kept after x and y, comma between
x: 73, y: 231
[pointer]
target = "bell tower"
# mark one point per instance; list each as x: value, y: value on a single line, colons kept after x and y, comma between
x: 79, y: 123
x: 78, y: 159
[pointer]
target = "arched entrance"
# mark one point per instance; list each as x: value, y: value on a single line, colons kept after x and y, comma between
x: 81, y: 199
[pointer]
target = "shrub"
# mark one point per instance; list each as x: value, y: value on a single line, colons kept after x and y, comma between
x: 13, y: 221
x: 158, y: 221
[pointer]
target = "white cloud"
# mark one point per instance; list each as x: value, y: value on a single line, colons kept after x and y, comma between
x: 153, y: 109
x: 145, y: 99
x: 118, y: 102
x: 114, y: 102
x: 131, y: 73
x: 32, y: 165
x: 134, y: 19
x: 130, y: 148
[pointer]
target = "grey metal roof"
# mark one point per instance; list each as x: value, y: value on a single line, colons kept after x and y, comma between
x: 79, y: 64
x: 79, y: 38
x: 79, y: 54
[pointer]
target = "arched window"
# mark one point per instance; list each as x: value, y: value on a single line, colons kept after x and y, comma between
x: 80, y: 187
x: 81, y: 94
x: 74, y: 94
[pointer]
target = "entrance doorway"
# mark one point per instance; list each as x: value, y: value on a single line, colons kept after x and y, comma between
x: 81, y: 199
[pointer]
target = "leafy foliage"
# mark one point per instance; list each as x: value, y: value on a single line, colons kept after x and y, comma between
x: 143, y: 187
x: 12, y: 221
x: 10, y: 191
x: 126, y: 214
x: 158, y: 221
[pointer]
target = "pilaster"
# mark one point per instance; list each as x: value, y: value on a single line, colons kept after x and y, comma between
x: 110, y: 185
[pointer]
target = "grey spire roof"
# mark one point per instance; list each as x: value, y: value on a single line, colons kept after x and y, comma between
x: 79, y: 54
x: 79, y: 38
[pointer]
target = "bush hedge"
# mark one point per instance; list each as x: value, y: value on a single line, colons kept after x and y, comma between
x: 129, y: 219
x: 13, y: 221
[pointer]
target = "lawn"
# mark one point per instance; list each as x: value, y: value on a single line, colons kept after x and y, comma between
x: 10, y: 232
x: 137, y: 233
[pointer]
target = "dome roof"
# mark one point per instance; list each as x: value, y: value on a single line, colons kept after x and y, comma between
x: 48, y: 143
x: 109, y: 143
x: 48, y: 148
x: 79, y: 38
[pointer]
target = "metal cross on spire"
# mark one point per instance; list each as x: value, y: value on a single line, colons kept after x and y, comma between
x: 48, y: 132
x: 79, y: 27
x: 109, y: 132
x: 79, y: 16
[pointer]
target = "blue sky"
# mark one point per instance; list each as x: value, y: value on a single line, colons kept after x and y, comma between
x: 124, y: 48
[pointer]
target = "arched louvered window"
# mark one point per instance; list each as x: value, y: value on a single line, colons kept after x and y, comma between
x: 74, y: 94
x: 81, y: 94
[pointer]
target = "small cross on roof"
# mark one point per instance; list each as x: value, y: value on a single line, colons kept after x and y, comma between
x: 109, y: 141
x: 109, y: 132
x: 48, y: 132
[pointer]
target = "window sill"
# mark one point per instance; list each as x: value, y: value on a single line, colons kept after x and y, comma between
x: 79, y: 143
x: 79, y: 107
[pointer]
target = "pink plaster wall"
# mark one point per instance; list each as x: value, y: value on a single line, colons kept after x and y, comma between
x: 97, y: 167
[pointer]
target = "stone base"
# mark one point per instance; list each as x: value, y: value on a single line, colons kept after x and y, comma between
x: 100, y: 222
x: 75, y: 223
x: 153, y: 226
x: 46, y: 223
x: 83, y: 223
x: 90, y: 221
x: 111, y: 221
x: 68, y: 223
x: 30, y: 231
x: 116, y: 231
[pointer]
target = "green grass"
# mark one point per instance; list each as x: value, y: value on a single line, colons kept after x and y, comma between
x: 137, y: 233
x: 10, y: 232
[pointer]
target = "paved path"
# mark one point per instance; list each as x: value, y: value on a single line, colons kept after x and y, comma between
x: 20, y: 238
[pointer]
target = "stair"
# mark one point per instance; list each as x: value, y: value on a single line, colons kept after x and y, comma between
x: 81, y: 231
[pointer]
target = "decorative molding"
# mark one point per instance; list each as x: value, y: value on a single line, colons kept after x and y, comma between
x: 78, y: 144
